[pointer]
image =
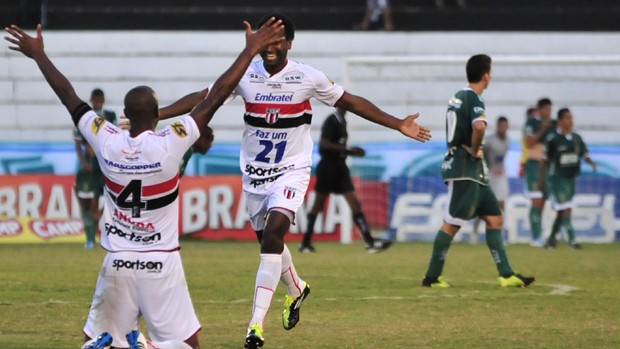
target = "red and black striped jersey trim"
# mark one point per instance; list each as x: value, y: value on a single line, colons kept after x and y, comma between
x: 282, y: 122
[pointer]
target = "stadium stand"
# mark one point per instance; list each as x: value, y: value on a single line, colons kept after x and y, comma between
x: 505, y: 15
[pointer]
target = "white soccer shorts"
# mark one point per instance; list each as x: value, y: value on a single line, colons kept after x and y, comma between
x: 286, y: 193
x: 151, y: 284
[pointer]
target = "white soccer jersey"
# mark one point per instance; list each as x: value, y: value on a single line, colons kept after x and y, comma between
x: 278, y: 114
x: 141, y: 175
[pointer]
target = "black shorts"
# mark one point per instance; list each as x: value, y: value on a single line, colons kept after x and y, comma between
x: 333, y: 177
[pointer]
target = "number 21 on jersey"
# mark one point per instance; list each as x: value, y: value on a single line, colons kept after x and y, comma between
x: 265, y: 155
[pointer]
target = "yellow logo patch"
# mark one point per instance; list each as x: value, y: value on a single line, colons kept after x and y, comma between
x: 97, y: 124
x: 179, y: 129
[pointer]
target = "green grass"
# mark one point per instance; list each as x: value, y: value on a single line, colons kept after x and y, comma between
x: 357, y: 300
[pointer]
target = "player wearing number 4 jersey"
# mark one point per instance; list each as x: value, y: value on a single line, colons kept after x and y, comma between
x: 142, y: 274
x: 276, y: 156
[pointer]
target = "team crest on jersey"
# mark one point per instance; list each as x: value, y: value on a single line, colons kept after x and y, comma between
x: 271, y: 115
x: 96, y: 125
x: 289, y: 192
x: 179, y: 129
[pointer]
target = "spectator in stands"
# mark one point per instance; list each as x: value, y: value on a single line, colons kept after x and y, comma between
x: 375, y: 9
x: 564, y: 150
x: 536, y: 131
x: 89, y: 179
x: 463, y: 170
x: 332, y: 176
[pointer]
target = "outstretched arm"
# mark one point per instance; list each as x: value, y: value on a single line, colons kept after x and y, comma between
x: 183, y: 105
x: 270, y: 33
x: 33, y: 48
x: 366, y: 109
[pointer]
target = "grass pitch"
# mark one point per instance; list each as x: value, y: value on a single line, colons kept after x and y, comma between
x: 357, y: 300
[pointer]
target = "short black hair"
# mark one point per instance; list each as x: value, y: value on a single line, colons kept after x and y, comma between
x: 97, y: 93
x: 530, y: 111
x: 477, y: 66
x: 562, y: 112
x: 543, y: 102
x: 502, y: 118
x: 289, y: 29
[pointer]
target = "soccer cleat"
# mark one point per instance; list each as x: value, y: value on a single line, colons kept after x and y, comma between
x: 136, y: 340
x: 516, y: 280
x: 254, y: 339
x: 89, y: 245
x: 378, y: 246
x: 290, y: 315
x: 439, y: 282
x: 550, y: 244
x: 538, y: 243
x: 575, y: 246
x: 104, y: 340
x: 306, y: 248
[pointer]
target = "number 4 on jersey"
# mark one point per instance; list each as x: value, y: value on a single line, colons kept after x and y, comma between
x: 133, y: 189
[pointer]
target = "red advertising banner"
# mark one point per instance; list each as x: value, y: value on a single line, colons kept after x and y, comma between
x: 43, y: 208
x: 39, y: 208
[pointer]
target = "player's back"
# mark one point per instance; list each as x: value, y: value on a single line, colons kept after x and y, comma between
x: 465, y: 108
x: 141, y: 175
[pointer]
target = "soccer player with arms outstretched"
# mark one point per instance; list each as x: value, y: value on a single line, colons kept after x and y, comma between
x: 276, y: 158
x: 142, y: 274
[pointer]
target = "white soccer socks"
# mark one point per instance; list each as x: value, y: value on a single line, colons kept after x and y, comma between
x: 289, y: 275
x: 267, y: 279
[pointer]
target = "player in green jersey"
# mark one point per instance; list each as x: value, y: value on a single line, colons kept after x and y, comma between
x: 536, y: 130
x: 562, y: 156
x: 89, y: 179
x: 465, y: 173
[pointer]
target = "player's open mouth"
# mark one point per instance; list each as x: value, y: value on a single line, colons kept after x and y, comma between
x: 271, y: 56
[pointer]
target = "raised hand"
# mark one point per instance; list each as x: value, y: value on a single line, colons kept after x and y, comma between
x: 414, y: 130
x: 270, y: 33
x: 24, y: 43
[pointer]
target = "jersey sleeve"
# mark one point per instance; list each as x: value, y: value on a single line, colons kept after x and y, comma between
x: 325, y: 90
x: 583, y: 149
x: 529, y: 128
x: 549, y: 148
x: 96, y: 129
x: 476, y: 108
x: 181, y: 135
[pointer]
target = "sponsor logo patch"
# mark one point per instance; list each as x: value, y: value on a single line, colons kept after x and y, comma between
x: 274, y: 97
x: 149, y: 266
x: 133, y: 237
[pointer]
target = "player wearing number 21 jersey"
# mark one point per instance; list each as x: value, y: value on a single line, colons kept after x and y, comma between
x: 278, y: 114
x: 276, y: 156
